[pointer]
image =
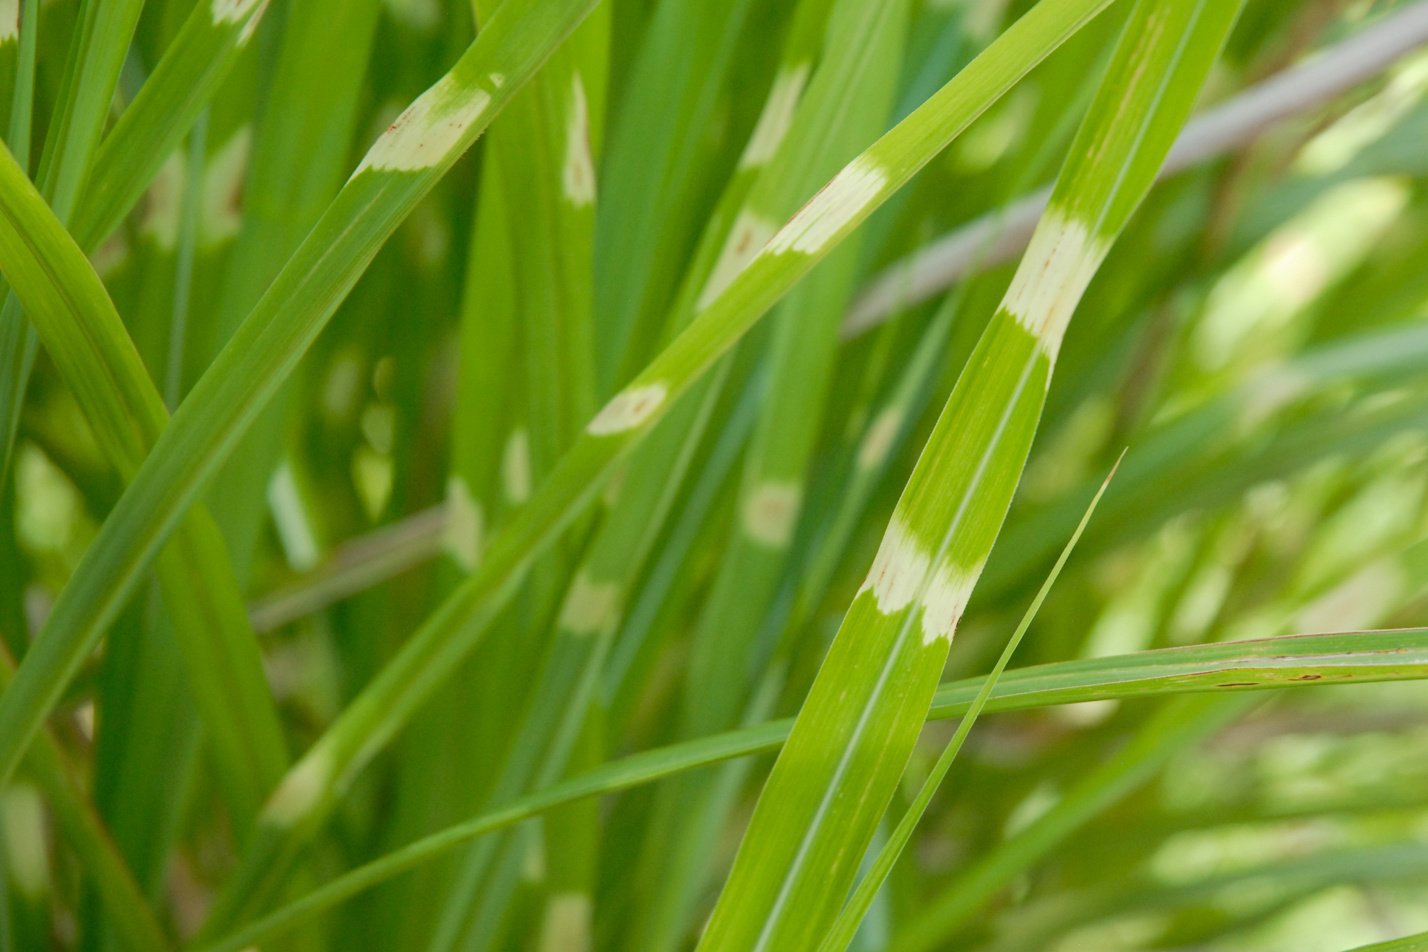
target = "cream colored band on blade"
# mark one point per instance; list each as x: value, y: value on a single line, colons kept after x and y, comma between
x: 1058, y: 265
x: 428, y: 130
x: 840, y: 201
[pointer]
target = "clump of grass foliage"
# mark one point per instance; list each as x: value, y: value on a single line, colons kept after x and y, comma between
x: 556, y: 542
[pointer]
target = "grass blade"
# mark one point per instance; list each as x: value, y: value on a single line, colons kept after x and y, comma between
x: 181, y: 85
x: 301, y: 153
x: 847, y: 100
x: 369, y: 723
x: 655, y: 164
x: 841, y: 935
x: 401, y: 167
x: 561, y: 452
x: 85, y: 337
x: 1178, y: 726
x: 130, y: 915
x: 542, y: 154
x: 1409, y: 943
x: 856, y: 729
x: 1302, y: 661
x: 101, y: 39
x: 1231, y: 125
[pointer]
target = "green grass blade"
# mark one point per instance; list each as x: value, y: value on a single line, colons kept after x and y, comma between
x: 847, y: 101
x: 1233, y: 124
x: 85, y: 337
x: 129, y: 912
x: 1228, y: 666
x: 488, y: 359
x: 1409, y: 943
x: 555, y: 453
x: 543, y: 154
x: 399, y: 169
x: 189, y: 216
x: 545, y: 147
x: 20, y: 41
x: 148, y: 748
x: 1177, y: 727
x: 302, y: 148
x: 656, y: 162
x: 841, y: 935
x: 101, y: 40
x: 1225, y: 668
x: 97, y: 52
x: 856, y: 729
x: 368, y: 725
x: 181, y: 85
x: 50, y: 274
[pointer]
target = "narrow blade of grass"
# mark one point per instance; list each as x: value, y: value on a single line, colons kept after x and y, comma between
x: 1175, y: 728
x: 1297, y: 662
x: 1233, y: 124
x: 84, y: 335
x: 1409, y: 943
x: 840, y: 936
x: 129, y: 913
x: 97, y: 50
x: 401, y: 167
x: 542, y: 154
x: 171, y: 99
x: 260, y: 355
x: 848, y: 100
x: 301, y: 152
x: 856, y: 729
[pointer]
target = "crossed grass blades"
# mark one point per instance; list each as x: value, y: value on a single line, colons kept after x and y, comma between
x: 619, y: 515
